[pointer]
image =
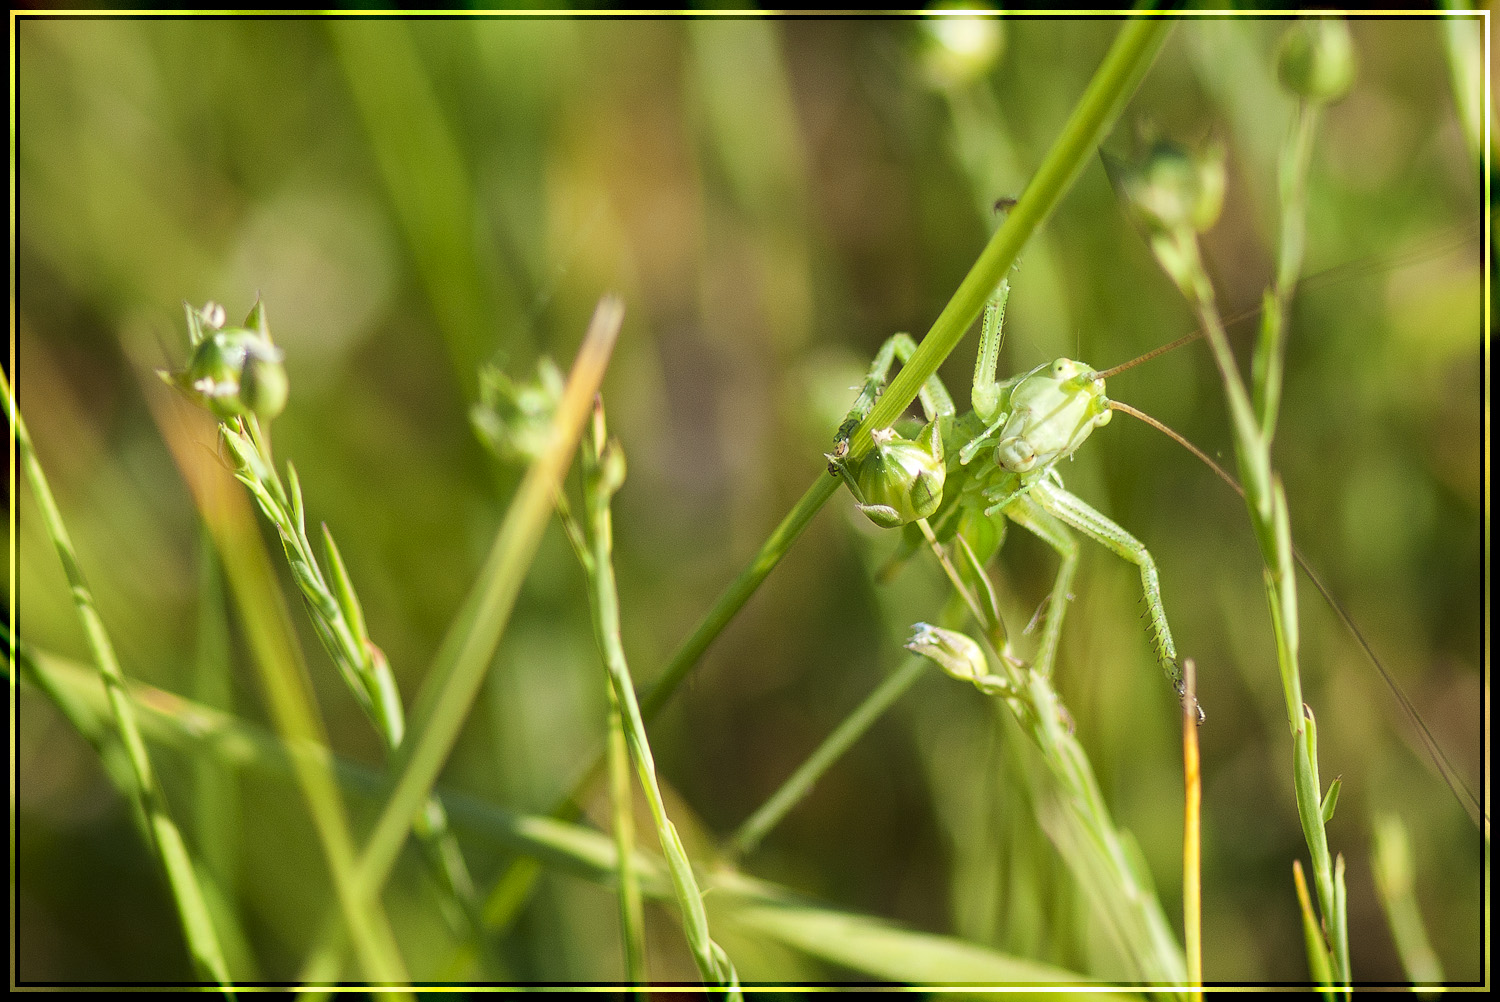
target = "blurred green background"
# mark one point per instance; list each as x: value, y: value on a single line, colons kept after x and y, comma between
x: 772, y: 199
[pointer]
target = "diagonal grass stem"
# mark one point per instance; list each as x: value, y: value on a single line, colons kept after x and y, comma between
x: 471, y: 642
x: 603, y: 472
x: 283, y: 675
x: 165, y: 837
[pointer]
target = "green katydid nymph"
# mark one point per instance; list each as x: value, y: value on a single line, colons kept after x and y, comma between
x: 965, y: 475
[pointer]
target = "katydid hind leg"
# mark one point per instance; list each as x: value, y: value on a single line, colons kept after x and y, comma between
x: 1074, y: 511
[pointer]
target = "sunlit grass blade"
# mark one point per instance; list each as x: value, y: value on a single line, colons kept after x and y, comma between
x: 1132, y: 53
x: 1192, y: 845
x: 465, y: 654
x: 875, y: 947
x: 283, y: 675
x: 165, y: 837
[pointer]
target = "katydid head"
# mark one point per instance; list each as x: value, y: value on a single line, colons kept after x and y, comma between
x: 1053, y: 409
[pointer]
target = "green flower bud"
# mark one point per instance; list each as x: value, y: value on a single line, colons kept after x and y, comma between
x: 1316, y: 60
x: 956, y: 653
x: 958, y: 50
x: 1175, y: 190
x: 263, y: 385
x: 900, y: 480
x: 233, y: 371
x: 514, y: 419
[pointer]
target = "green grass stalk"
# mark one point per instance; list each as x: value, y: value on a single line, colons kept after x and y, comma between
x: 603, y: 473
x: 283, y: 675
x: 338, y: 619
x: 632, y: 916
x: 1132, y: 53
x: 1253, y: 424
x: 165, y: 837
x: 466, y: 651
x: 752, y: 832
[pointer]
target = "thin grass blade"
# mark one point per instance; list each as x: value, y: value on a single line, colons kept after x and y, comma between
x: 165, y: 837
x: 471, y: 642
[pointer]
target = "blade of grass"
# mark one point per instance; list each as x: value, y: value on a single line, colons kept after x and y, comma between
x: 872, y: 946
x: 1132, y: 53
x: 338, y: 619
x: 1312, y: 935
x: 165, y: 837
x: 1253, y: 418
x: 466, y: 651
x: 748, y: 836
x: 283, y: 674
x: 603, y: 473
x: 632, y: 917
x: 1192, y: 856
x: 1398, y: 898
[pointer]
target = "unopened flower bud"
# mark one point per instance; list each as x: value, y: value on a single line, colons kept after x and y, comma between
x: 1316, y: 60
x: 900, y: 480
x: 514, y: 419
x: 1175, y: 190
x: 956, y: 653
x: 233, y: 371
x: 957, y: 50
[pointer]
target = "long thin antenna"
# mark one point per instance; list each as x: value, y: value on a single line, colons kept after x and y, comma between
x: 1450, y: 775
x: 1426, y: 250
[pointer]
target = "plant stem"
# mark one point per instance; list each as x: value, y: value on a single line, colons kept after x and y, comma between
x: 338, y: 620
x: 471, y: 641
x: 632, y: 918
x: 749, y: 835
x: 1253, y: 425
x: 283, y: 675
x: 165, y: 837
x: 713, y: 965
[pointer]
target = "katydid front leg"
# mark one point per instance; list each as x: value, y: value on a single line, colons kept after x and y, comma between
x: 934, y: 396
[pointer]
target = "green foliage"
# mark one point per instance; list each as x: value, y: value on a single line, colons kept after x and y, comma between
x: 415, y: 200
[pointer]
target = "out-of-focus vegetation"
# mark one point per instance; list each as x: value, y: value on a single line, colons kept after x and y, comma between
x: 414, y: 199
